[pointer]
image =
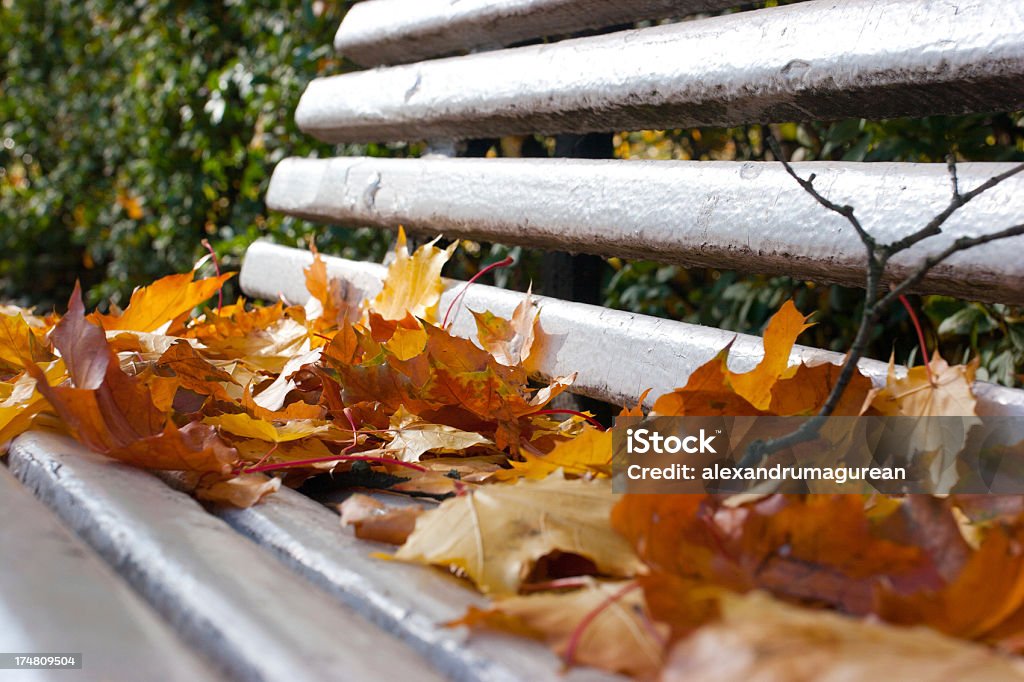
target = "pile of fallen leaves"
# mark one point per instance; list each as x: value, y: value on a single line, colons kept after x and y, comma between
x: 241, y: 399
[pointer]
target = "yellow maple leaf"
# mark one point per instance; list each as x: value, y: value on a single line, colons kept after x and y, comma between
x: 165, y: 300
x: 779, y: 338
x: 247, y: 427
x: 589, y: 452
x: 413, y: 283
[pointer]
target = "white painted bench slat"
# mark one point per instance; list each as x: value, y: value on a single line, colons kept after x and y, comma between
x: 58, y: 596
x: 617, y: 354
x: 378, y: 32
x: 743, y: 216
x: 228, y: 598
x: 819, y: 60
x: 408, y: 601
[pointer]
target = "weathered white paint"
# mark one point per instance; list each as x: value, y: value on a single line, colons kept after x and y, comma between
x: 617, y: 354
x: 824, y: 59
x: 378, y: 32
x: 744, y: 216
x: 227, y: 597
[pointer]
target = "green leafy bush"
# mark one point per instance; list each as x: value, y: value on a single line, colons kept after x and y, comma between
x: 132, y: 131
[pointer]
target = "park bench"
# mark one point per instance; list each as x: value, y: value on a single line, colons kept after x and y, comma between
x: 118, y: 564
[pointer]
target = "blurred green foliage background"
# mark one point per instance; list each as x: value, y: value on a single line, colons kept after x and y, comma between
x: 131, y: 131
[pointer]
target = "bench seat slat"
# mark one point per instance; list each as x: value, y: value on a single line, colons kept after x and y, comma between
x: 58, y: 596
x: 240, y: 606
x: 409, y: 601
x: 617, y: 354
x: 377, y: 32
x: 818, y: 60
x: 743, y: 216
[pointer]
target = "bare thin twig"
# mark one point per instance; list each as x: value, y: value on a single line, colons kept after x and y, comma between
x: 961, y: 244
x: 808, y: 185
x: 959, y: 200
x: 874, y: 303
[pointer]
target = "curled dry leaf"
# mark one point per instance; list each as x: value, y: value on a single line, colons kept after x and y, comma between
x: 326, y: 303
x: 243, y: 490
x: 414, y: 440
x: 374, y: 520
x: 605, y: 624
x: 509, y: 341
x: 763, y: 640
x: 272, y: 397
x: 193, y: 371
x: 496, y: 534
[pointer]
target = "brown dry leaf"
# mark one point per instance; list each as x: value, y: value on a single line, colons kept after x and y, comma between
x: 326, y: 301
x: 373, y: 520
x: 824, y: 549
x: 413, y: 283
x: 496, y: 534
x: 620, y: 637
x: 272, y: 398
x: 240, y: 491
x: 984, y: 601
x: 452, y: 382
x: 113, y: 413
x: 165, y: 300
x: 193, y: 371
x: 762, y: 640
x: 805, y: 392
x: 509, y: 341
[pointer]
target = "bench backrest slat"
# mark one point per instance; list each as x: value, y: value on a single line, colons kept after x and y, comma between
x: 377, y: 32
x: 817, y: 60
x: 616, y: 354
x: 749, y: 217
